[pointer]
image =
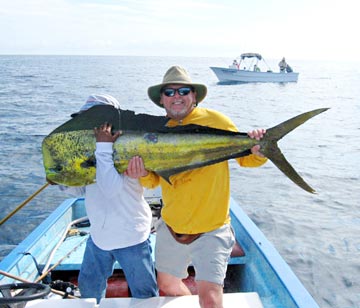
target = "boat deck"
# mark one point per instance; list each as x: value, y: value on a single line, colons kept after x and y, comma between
x: 243, y: 300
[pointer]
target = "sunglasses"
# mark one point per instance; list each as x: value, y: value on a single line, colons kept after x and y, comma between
x: 170, y: 92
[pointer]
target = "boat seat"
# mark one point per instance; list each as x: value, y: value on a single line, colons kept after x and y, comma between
x: 243, y: 300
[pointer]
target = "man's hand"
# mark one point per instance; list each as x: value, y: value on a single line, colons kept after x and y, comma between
x: 257, y: 134
x: 136, y: 168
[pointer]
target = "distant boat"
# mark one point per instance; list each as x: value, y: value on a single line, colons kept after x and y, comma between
x: 249, y: 70
x: 257, y: 275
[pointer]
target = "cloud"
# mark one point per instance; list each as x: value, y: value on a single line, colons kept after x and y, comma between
x: 297, y: 29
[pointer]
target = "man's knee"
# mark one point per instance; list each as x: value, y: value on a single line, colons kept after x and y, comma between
x: 171, y: 285
x: 210, y: 294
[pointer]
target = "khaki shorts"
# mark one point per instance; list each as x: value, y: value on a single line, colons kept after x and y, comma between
x: 209, y: 254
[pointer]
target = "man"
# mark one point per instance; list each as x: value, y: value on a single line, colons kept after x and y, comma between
x: 120, y: 221
x: 282, y: 65
x: 195, y: 227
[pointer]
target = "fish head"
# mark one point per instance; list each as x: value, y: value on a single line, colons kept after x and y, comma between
x: 66, y: 162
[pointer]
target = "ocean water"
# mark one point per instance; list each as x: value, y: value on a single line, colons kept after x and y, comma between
x: 318, y: 235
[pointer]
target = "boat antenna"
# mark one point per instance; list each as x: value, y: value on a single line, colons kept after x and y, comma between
x: 240, y: 62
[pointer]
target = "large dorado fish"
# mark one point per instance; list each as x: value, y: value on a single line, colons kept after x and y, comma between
x: 68, y: 152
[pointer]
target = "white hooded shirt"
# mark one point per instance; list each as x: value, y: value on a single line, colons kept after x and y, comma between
x: 118, y: 213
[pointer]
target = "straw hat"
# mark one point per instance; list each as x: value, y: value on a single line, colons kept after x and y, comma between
x: 176, y: 75
x: 98, y: 99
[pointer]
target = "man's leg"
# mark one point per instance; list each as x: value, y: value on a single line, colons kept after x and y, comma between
x: 210, y: 294
x: 210, y: 255
x: 171, y: 285
x: 172, y: 260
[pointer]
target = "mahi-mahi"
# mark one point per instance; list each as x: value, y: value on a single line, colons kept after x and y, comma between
x: 68, y: 152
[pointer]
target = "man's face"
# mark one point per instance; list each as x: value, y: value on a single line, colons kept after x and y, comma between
x: 178, y: 104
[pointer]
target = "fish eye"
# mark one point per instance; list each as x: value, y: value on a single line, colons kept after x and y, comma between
x: 57, y: 168
x: 91, y: 162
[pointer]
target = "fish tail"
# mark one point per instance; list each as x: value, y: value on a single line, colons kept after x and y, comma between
x: 271, y: 150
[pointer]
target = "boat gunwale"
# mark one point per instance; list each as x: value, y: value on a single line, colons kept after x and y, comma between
x: 30, y: 241
x: 299, y: 294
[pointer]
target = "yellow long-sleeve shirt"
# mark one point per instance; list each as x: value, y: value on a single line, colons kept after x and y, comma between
x: 198, y: 200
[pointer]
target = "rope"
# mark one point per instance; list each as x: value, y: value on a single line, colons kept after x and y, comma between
x: 59, y: 262
x: 46, y: 270
x: 61, y: 241
x: 24, y: 203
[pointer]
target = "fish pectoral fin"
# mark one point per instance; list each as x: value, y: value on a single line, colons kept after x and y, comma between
x: 274, y: 154
x: 166, y: 174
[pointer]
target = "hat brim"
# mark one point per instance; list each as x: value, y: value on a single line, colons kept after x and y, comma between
x: 154, y: 91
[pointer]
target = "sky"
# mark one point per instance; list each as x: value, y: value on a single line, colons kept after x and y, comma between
x: 297, y: 29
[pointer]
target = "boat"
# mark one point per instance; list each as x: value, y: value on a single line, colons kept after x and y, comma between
x: 250, y: 68
x: 48, y: 260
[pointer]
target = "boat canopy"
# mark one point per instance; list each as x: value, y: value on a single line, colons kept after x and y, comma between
x: 250, y: 55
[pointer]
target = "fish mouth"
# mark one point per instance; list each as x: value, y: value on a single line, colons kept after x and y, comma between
x: 52, y: 176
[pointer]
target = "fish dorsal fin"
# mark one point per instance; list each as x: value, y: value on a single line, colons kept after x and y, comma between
x: 120, y: 120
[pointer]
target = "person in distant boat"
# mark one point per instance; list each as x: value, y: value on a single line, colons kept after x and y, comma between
x: 120, y: 221
x: 256, y: 68
x: 289, y: 69
x: 282, y: 65
x: 235, y: 64
x: 195, y: 226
